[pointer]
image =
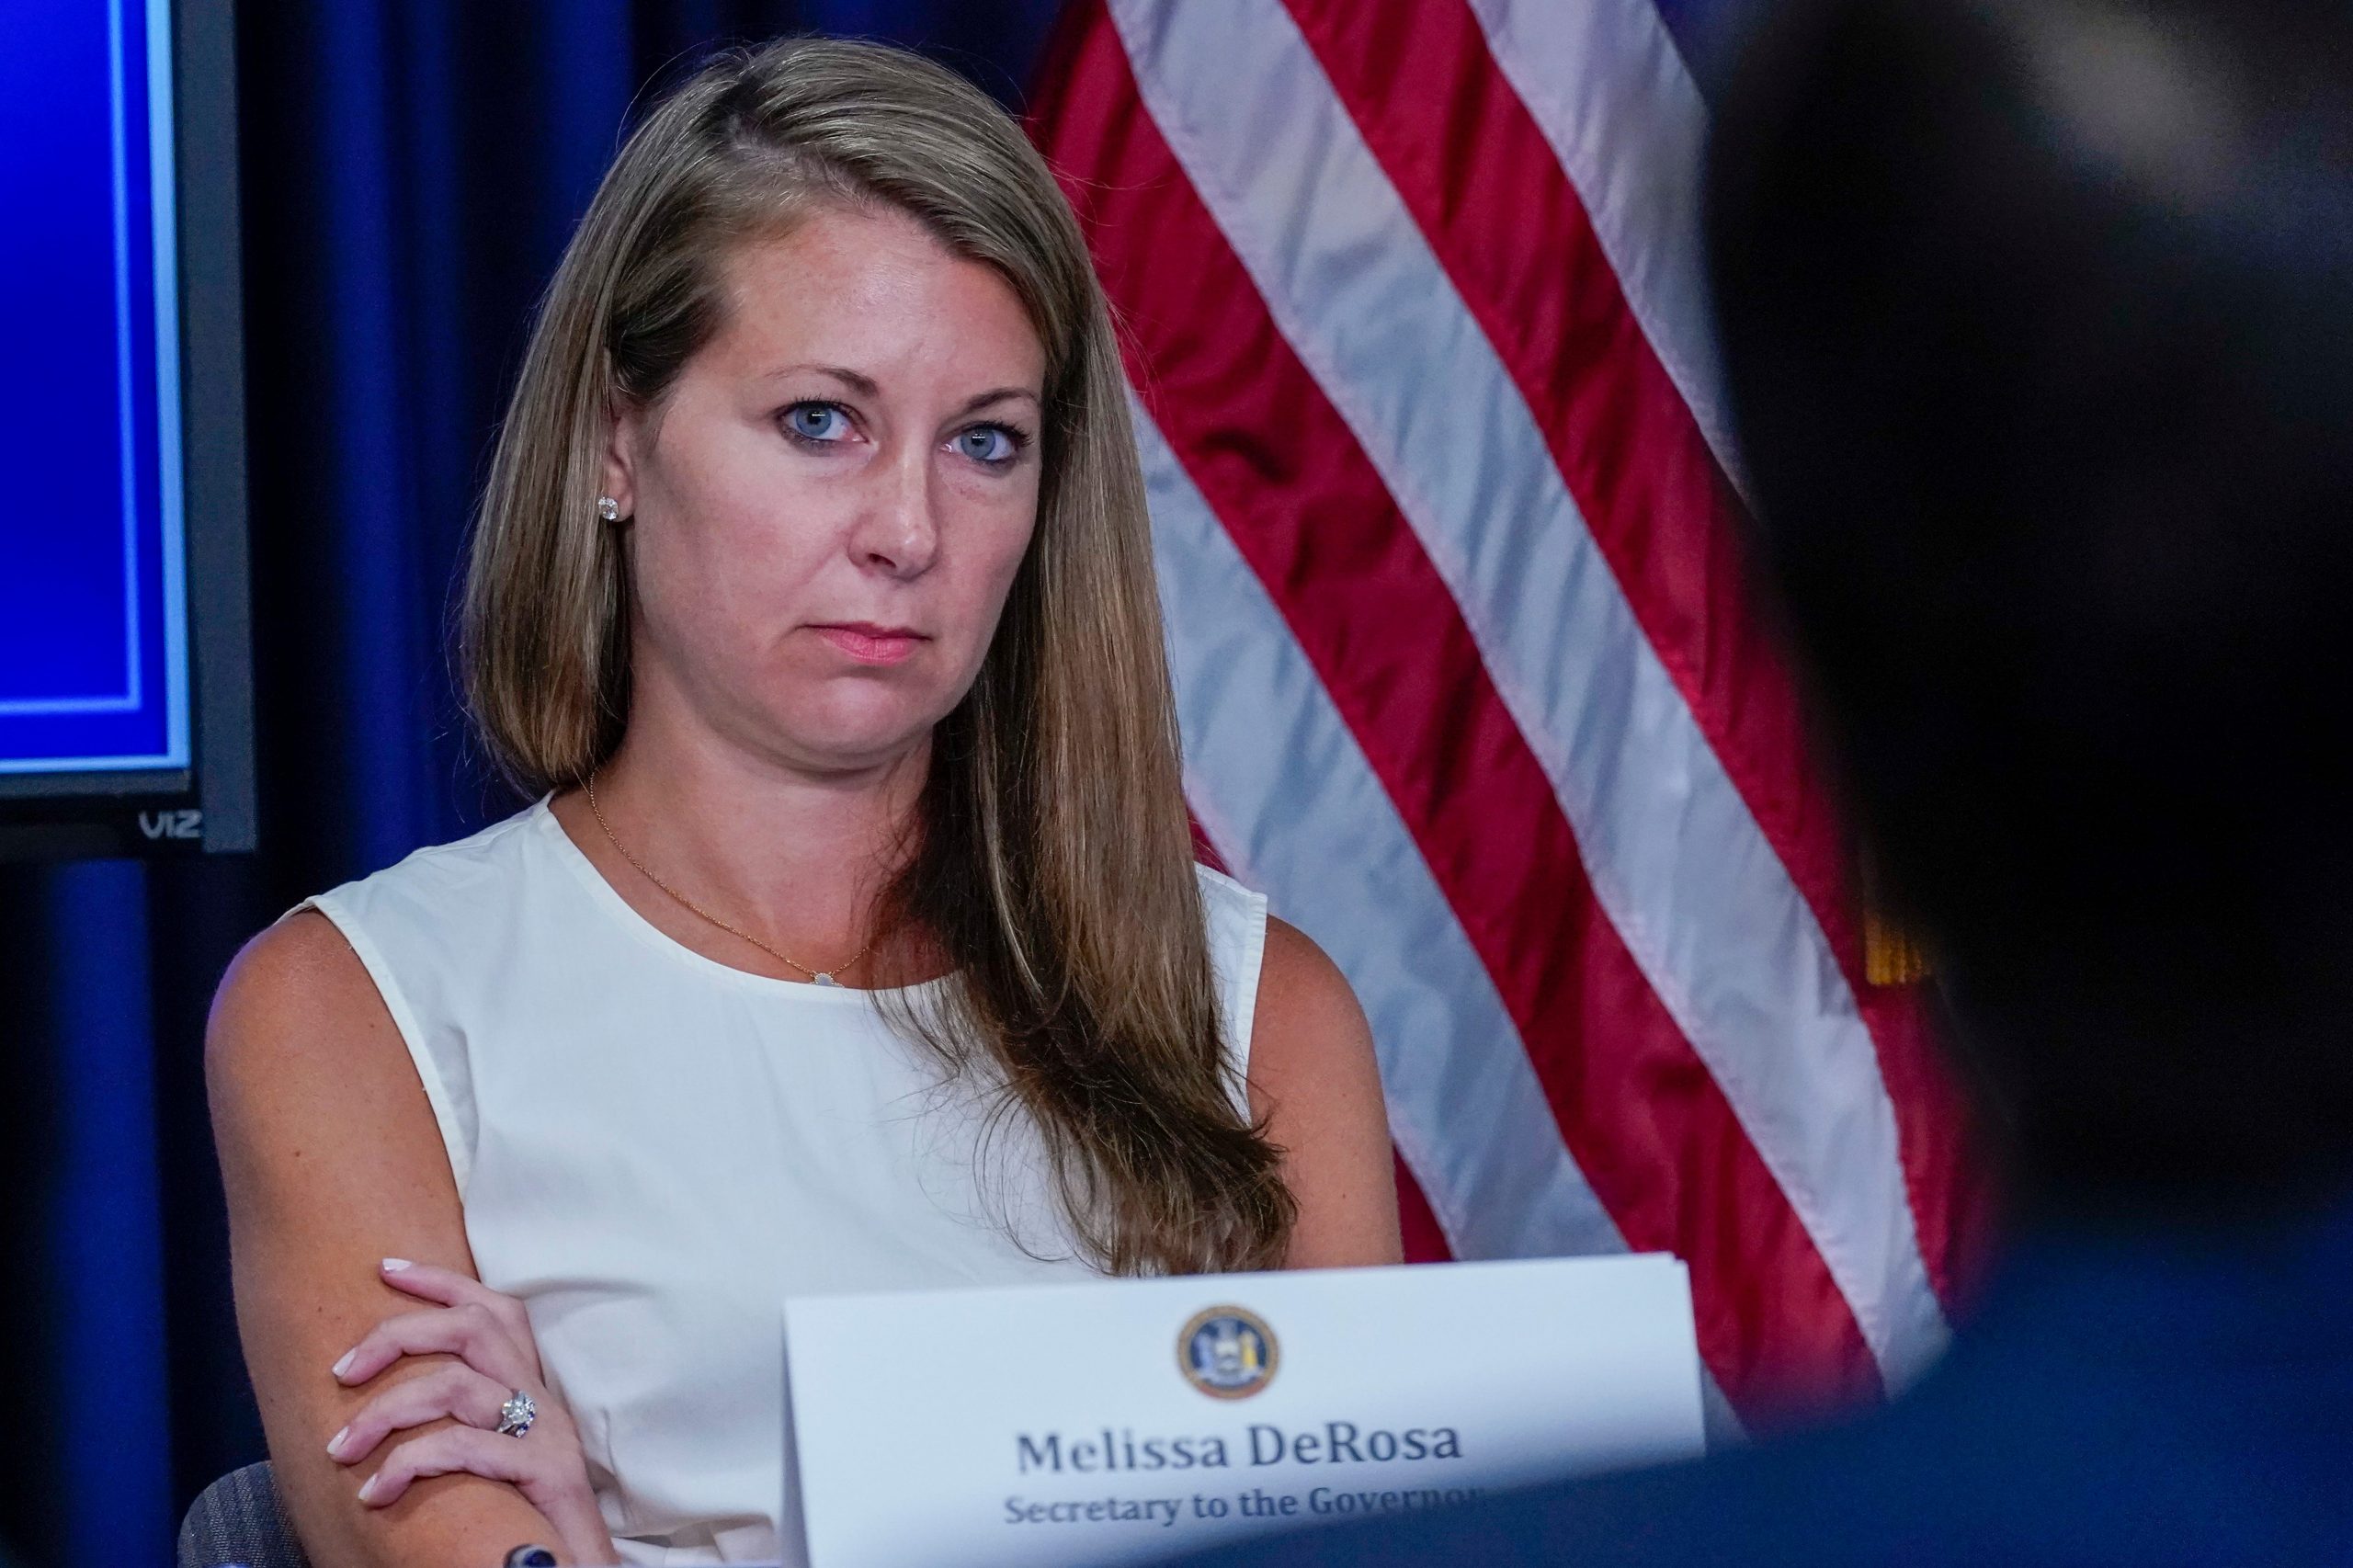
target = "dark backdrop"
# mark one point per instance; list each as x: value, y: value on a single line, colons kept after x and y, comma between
x: 411, y: 168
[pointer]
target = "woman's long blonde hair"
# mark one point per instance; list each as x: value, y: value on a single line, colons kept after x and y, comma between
x: 1052, y: 858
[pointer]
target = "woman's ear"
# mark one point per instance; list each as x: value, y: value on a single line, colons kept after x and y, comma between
x: 625, y: 433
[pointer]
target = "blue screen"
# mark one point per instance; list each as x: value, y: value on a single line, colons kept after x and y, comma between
x: 93, y: 608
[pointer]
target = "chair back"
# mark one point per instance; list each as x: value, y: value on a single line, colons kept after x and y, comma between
x: 237, y: 1519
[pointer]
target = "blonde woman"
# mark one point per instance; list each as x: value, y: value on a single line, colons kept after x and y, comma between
x: 854, y: 941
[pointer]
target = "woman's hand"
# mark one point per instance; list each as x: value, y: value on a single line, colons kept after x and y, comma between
x: 495, y: 1357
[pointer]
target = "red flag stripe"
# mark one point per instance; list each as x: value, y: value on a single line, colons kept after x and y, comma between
x: 1489, y: 194
x: 1425, y: 1239
x: 1646, y: 1121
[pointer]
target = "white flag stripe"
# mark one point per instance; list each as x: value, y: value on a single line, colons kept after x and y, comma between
x: 1604, y: 81
x: 1676, y: 859
x: 1285, y: 792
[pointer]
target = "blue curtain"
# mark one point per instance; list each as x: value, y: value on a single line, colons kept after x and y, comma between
x: 410, y: 169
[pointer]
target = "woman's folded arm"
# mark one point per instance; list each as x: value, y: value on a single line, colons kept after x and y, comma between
x: 333, y: 1162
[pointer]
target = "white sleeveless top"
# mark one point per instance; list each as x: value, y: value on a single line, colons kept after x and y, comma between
x: 655, y: 1151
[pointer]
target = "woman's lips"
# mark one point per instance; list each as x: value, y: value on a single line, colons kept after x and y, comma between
x: 871, y: 644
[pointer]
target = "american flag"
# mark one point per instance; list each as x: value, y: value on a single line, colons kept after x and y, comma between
x: 1470, y: 680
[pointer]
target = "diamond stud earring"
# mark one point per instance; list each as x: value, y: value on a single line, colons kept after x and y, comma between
x: 609, y: 508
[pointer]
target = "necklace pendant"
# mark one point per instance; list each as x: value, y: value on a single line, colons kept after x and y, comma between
x: 822, y: 978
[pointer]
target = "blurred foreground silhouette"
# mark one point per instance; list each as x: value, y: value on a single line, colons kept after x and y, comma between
x: 2038, y: 324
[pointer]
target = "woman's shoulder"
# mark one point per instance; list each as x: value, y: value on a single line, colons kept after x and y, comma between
x: 297, y: 1017
x: 284, y: 977
x: 346, y: 990
x: 1240, y: 922
x: 305, y: 960
x: 1224, y: 900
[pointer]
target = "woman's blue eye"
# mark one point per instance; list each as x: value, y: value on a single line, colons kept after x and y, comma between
x: 990, y: 444
x: 817, y: 422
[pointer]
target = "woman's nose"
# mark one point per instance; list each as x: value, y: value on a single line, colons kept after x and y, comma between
x: 898, y: 531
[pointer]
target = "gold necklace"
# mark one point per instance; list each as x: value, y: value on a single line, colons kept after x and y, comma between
x: 816, y: 976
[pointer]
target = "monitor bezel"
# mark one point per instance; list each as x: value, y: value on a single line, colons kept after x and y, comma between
x: 98, y: 811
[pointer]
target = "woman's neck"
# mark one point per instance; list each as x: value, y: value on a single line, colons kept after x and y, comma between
x: 797, y: 856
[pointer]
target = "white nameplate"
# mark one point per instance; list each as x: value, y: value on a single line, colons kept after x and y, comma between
x: 1099, y: 1422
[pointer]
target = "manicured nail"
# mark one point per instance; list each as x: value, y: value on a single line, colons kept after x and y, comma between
x: 394, y: 1264
x: 334, y: 1444
x: 345, y: 1365
x: 367, y: 1488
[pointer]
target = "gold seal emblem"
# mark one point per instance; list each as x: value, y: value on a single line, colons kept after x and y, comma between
x: 1227, y: 1352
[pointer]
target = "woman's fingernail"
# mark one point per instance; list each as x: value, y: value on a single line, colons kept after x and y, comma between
x: 345, y: 1365
x: 334, y: 1444
x: 367, y: 1488
x: 394, y: 1264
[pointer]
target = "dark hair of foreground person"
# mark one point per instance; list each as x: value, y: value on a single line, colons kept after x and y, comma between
x: 2036, y: 319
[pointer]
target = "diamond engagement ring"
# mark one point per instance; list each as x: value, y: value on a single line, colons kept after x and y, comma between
x: 514, y: 1417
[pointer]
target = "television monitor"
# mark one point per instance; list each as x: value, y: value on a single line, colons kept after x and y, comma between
x: 125, y: 706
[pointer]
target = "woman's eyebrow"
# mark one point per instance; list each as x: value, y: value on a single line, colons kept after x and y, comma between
x: 999, y: 394
x: 867, y: 386
x: 863, y: 385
